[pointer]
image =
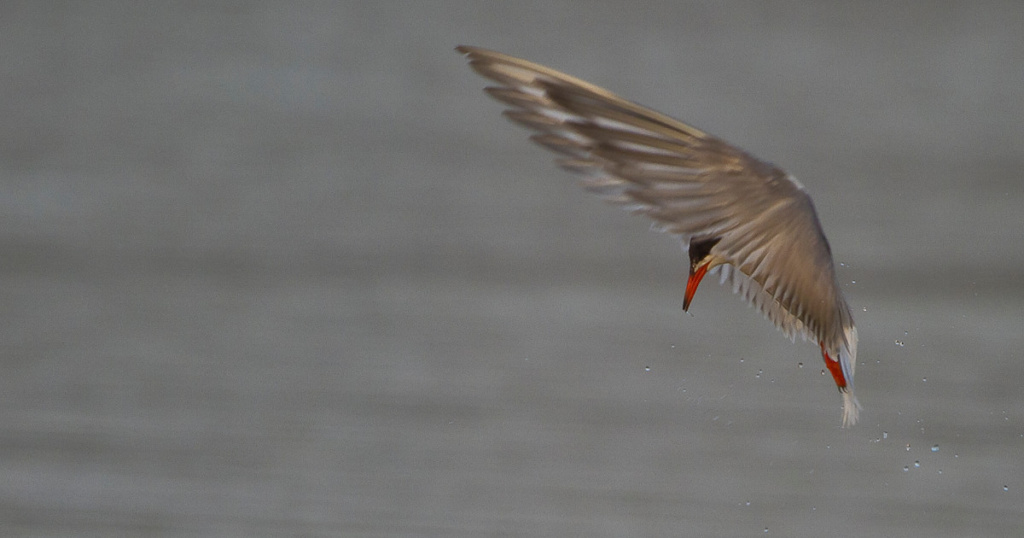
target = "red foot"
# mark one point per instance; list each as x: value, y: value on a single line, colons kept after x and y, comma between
x: 834, y: 367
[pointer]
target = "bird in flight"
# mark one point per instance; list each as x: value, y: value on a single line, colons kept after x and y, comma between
x: 745, y: 218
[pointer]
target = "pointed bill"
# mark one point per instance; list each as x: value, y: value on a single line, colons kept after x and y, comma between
x: 692, y: 282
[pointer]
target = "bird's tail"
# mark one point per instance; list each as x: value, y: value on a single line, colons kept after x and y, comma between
x: 848, y: 362
x: 851, y: 408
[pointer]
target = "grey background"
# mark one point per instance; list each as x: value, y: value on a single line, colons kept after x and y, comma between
x: 274, y: 269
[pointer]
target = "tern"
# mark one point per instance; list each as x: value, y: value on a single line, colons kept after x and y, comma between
x: 743, y: 217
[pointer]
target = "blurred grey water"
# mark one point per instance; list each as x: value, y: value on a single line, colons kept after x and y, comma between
x: 275, y: 269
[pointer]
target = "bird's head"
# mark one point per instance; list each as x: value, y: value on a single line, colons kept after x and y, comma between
x: 701, y: 261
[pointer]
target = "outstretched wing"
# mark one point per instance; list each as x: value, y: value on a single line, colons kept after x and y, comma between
x: 696, y: 186
x: 691, y: 183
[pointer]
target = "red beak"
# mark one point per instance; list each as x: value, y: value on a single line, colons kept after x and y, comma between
x: 692, y: 282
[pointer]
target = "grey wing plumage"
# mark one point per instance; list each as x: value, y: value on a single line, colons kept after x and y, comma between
x: 691, y: 183
x: 763, y: 224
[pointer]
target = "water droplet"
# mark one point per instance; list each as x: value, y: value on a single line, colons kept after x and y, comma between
x: 853, y: 282
x: 759, y: 374
x: 935, y: 448
x: 899, y: 343
x: 741, y: 359
x: 766, y: 530
x: 885, y: 435
x: 908, y: 447
x: 748, y: 503
x: 906, y: 468
x: 822, y: 371
x: 924, y: 379
x: 905, y: 333
x: 917, y: 463
x: 647, y: 368
x: 800, y: 365
x: 1006, y: 488
x: 865, y: 309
